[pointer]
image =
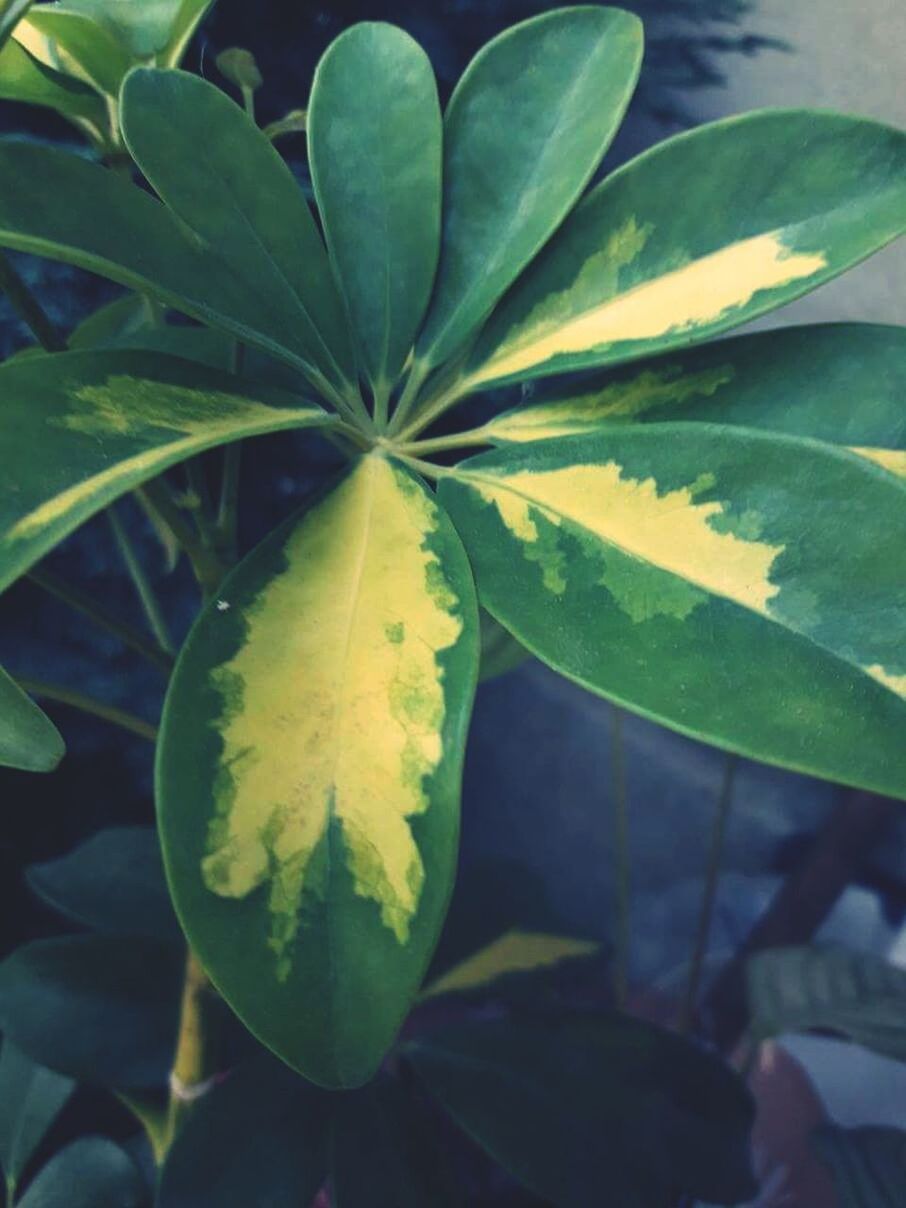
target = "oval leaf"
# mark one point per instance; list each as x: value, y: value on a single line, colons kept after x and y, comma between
x: 29, y: 740
x: 374, y: 138
x: 741, y: 587
x: 524, y: 131
x: 223, y: 179
x: 579, y: 1106
x: 31, y: 1098
x: 90, y: 1173
x: 105, y: 423
x: 309, y: 770
x: 698, y: 235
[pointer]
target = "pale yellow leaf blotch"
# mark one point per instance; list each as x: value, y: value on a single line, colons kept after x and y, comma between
x: 515, y: 952
x: 670, y: 532
x: 701, y: 292
x: 896, y: 683
x: 334, y: 707
x: 893, y: 460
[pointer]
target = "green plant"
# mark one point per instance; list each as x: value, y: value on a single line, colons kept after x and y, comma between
x: 710, y: 536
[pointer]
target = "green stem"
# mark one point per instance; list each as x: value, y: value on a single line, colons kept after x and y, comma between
x: 28, y: 308
x: 426, y: 468
x: 418, y: 372
x: 709, y: 897
x: 200, y: 502
x: 208, y: 568
x: 381, y: 405
x: 456, y: 440
x: 228, y: 509
x: 622, y: 881
x: 89, y: 607
x: 87, y: 704
x: 143, y: 588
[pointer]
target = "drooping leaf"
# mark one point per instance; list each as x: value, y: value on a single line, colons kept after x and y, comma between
x: 384, y: 1155
x: 698, y: 235
x: 258, y: 1138
x: 114, y: 882
x: 98, y: 1008
x: 29, y: 740
x: 868, y: 1165
x: 224, y: 180
x: 90, y: 1173
x: 374, y: 138
x: 74, y: 44
x: 527, y: 125
x: 24, y: 79
x: 843, y: 383
x: 310, y: 850
x: 31, y: 1098
x: 515, y: 952
x: 855, y: 993
x: 742, y: 587
x: 106, y: 422
x: 120, y: 231
x: 584, y: 1107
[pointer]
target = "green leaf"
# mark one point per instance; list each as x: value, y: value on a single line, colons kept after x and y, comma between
x: 843, y: 383
x: 580, y: 1107
x: 29, y: 740
x: 98, y: 1008
x: 698, y: 235
x: 515, y: 952
x: 126, y: 316
x: 159, y: 30
x: 31, y: 1098
x: 72, y: 43
x: 868, y: 1165
x: 89, y: 1173
x: 742, y: 587
x: 114, y: 883
x: 241, y: 68
x: 527, y: 125
x: 224, y: 180
x: 11, y: 13
x: 24, y: 79
x: 258, y: 1138
x: 375, y: 149
x: 311, y: 865
x: 500, y: 652
x: 859, y: 995
x: 189, y: 15
x: 105, y: 423
x: 384, y: 1153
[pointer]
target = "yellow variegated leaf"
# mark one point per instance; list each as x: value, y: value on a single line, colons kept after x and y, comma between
x: 515, y: 952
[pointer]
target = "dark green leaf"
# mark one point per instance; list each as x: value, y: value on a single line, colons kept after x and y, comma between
x: 29, y: 740
x: 90, y: 1173
x: 868, y: 1165
x: 584, y: 1106
x: 114, y: 882
x: 31, y: 1098
x: 374, y: 137
x: 98, y: 1008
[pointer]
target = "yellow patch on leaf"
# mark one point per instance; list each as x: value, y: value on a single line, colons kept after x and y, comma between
x: 896, y: 683
x: 334, y: 707
x: 893, y: 460
x: 515, y: 952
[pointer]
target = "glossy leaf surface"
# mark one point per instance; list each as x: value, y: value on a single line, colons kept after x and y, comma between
x: 524, y: 131
x: 698, y: 235
x: 868, y: 1165
x: 374, y: 137
x: 224, y: 180
x: 742, y: 587
x: 29, y: 740
x: 309, y: 770
x: 577, y: 1107
x: 854, y: 993
x: 98, y: 1008
x: 89, y: 1173
x: 105, y: 423
x: 31, y: 1098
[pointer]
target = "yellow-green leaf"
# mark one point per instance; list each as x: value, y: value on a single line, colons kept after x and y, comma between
x: 515, y: 952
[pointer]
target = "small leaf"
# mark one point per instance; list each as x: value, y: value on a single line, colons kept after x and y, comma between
x: 868, y: 1165
x: 797, y: 989
x: 240, y: 68
x: 311, y: 864
x: 29, y: 740
x: 294, y: 122
x: 105, y: 423
x: 374, y: 138
x: 74, y: 44
x: 31, y: 1098
x: 698, y: 235
x: 527, y: 125
x: 24, y: 79
x: 89, y: 1173
x: 258, y: 1138
x: 98, y: 1008
x: 113, y: 883
x: 575, y: 1105
x: 515, y: 952
x: 726, y: 582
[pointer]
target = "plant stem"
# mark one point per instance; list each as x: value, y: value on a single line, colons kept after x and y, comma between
x: 28, y: 308
x: 426, y: 468
x: 87, y: 704
x: 228, y: 508
x: 89, y: 607
x: 145, y: 591
x: 194, y: 1058
x: 418, y: 372
x: 709, y: 896
x: 208, y: 568
x: 439, y: 444
x: 622, y: 882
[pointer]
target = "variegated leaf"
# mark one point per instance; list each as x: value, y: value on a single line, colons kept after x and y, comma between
x: 514, y: 952
x: 698, y: 235
x: 308, y: 781
x: 745, y: 588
